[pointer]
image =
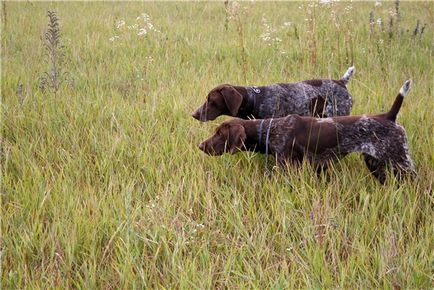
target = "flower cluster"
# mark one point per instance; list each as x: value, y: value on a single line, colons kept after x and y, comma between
x: 142, y: 26
x: 267, y: 36
x: 271, y: 34
x: 147, y: 25
x: 233, y: 9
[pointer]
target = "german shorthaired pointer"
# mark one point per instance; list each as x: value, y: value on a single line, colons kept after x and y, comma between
x: 319, y: 98
x: 381, y: 141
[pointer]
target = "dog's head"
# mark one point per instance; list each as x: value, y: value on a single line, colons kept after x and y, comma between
x: 222, y: 100
x: 228, y: 137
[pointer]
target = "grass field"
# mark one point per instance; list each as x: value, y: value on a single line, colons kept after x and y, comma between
x: 103, y: 185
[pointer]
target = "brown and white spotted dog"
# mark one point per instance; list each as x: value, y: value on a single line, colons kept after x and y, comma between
x: 319, y: 98
x: 290, y: 139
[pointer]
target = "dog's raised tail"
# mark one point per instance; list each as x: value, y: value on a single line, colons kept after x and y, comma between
x: 391, y: 115
x: 347, y: 75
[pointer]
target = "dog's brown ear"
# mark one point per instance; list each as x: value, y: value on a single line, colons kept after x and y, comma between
x: 237, y: 136
x: 233, y: 99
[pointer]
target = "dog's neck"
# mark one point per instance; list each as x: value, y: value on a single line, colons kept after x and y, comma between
x: 256, y: 134
x: 249, y: 106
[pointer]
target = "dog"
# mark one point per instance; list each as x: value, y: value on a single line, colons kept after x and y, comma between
x: 319, y: 98
x: 290, y: 139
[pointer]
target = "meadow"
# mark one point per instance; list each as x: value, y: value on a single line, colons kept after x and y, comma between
x: 102, y: 182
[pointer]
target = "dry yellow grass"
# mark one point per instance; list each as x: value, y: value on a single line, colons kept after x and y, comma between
x: 103, y: 185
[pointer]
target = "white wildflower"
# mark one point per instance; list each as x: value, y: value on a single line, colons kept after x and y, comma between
x: 120, y: 23
x: 146, y: 17
x: 143, y: 16
x: 134, y: 26
x: 312, y: 4
x: 265, y: 36
x: 378, y: 3
x: 142, y: 31
x: 233, y: 9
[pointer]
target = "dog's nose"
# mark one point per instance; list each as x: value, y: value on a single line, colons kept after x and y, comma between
x: 196, y: 114
x: 202, y: 146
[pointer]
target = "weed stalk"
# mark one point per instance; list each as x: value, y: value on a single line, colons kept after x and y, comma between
x: 54, y: 51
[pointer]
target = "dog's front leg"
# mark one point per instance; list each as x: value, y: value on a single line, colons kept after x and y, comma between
x: 320, y: 168
x: 285, y: 161
x: 282, y: 161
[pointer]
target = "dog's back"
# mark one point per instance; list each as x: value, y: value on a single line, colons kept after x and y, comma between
x: 318, y: 98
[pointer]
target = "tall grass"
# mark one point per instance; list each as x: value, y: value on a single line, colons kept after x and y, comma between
x: 103, y: 185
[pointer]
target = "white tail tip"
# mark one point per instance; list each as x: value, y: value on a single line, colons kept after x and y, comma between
x: 405, y: 88
x: 350, y: 71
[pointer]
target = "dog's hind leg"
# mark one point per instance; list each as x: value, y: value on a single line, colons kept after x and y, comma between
x: 404, y: 169
x: 376, y: 167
